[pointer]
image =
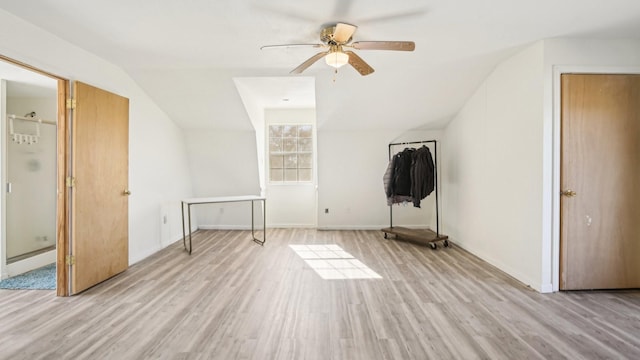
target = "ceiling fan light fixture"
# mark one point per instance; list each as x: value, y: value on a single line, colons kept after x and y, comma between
x: 337, y: 59
x: 336, y: 36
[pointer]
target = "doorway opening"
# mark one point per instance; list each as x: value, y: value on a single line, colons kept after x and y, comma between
x: 30, y: 163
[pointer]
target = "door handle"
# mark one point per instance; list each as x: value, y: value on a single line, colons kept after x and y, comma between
x: 568, y: 193
x: 126, y: 192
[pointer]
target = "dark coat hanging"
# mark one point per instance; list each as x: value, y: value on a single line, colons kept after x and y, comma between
x: 409, y: 176
x: 422, y: 175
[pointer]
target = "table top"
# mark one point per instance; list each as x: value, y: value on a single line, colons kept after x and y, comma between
x: 221, y: 199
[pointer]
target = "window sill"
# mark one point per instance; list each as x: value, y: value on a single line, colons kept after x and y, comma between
x: 310, y: 183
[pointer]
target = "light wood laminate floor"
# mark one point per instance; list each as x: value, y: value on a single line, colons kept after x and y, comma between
x: 233, y: 299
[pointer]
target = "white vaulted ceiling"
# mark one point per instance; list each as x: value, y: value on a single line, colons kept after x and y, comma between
x: 186, y: 54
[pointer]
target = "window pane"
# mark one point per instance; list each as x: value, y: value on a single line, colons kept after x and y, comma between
x: 291, y: 161
x: 304, y: 161
x: 275, y: 131
x: 304, y: 131
x: 289, y: 131
x: 289, y: 145
x: 304, y: 175
x: 276, y: 161
x: 304, y: 145
x: 291, y: 175
x: 290, y: 153
x: 275, y: 145
x: 276, y: 175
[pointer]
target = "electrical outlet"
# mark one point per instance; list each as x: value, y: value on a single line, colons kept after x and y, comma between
x: 326, y: 211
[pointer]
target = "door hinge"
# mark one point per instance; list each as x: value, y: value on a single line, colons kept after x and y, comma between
x: 70, y: 260
x: 71, y: 103
x: 71, y: 182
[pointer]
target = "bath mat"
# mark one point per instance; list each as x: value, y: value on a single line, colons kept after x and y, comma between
x: 43, y: 278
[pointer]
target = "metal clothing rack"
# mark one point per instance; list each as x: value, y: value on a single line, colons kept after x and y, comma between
x: 419, y: 236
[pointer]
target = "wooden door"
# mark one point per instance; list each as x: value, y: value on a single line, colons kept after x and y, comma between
x: 99, y: 203
x: 600, y: 217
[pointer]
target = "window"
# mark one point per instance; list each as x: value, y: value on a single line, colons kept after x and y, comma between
x: 290, y: 153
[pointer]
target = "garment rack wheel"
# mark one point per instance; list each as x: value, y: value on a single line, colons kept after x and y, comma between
x: 446, y: 243
x: 433, y: 245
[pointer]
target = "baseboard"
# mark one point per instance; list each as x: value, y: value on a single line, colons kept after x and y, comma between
x: 257, y: 228
x: 517, y: 275
x: 366, y: 227
x: 350, y: 227
x: 546, y: 288
x: 225, y: 227
x: 175, y: 238
x: 144, y: 256
x: 161, y: 246
x: 291, y: 226
x: 306, y: 226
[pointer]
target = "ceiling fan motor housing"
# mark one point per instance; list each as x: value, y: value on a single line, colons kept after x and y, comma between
x: 327, y: 36
x: 335, y: 36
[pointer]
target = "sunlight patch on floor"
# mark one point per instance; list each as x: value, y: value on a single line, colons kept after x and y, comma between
x: 331, y: 262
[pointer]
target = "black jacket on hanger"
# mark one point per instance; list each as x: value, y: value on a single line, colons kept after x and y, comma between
x: 410, y: 176
x: 402, y: 172
x: 422, y: 175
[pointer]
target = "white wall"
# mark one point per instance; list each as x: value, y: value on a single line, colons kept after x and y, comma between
x: 256, y: 113
x: 158, y: 171
x: 351, y: 165
x: 502, y: 156
x: 350, y: 169
x: 492, y: 172
x: 223, y: 163
x: 292, y: 205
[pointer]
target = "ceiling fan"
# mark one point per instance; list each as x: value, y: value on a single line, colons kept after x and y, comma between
x: 336, y: 37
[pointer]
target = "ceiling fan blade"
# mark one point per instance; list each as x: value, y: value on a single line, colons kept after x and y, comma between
x: 302, y: 67
x: 360, y: 65
x: 384, y: 45
x: 343, y: 32
x: 291, y: 45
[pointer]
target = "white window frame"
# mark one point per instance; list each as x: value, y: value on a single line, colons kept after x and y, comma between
x: 297, y: 152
